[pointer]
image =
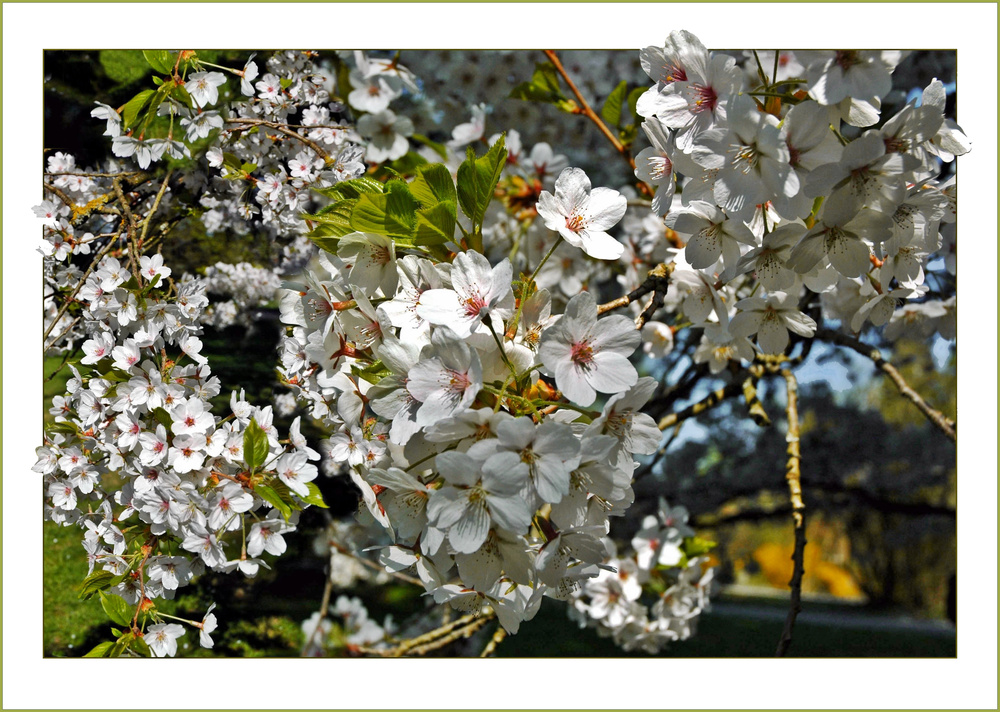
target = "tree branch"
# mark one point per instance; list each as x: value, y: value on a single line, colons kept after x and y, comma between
x: 657, y: 281
x: 281, y: 128
x: 939, y: 419
x: 587, y: 111
x: 793, y: 475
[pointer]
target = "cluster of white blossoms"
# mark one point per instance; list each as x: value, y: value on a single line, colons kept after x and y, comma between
x: 776, y: 202
x: 487, y: 406
x: 163, y: 488
x: 473, y: 464
x: 659, y: 562
x: 247, y: 286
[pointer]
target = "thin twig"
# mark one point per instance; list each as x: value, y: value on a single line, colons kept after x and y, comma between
x: 939, y: 419
x: 156, y: 205
x: 587, y: 111
x: 793, y: 475
x: 376, y: 567
x: 657, y: 281
x: 282, y: 128
x: 463, y: 632
x: 129, y: 220
x: 324, y: 610
x: 79, y: 286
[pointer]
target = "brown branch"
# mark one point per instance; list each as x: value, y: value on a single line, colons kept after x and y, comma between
x: 657, y: 281
x: 463, y: 632
x: 939, y: 419
x: 129, y: 220
x: 793, y: 475
x: 86, y: 174
x: 79, y: 286
x: 587, y: 111
x: 282, y: 128
x: 713, y: 399
x: 439, y: 637
x: 156, y: 205
x: 324, y: 610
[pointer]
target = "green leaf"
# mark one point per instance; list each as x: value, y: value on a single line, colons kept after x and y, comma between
x: 438, y: 148
x: 433, y: 184
x: 123, y: 66
x: 255, y: 445
x: 161, y: 60
x: 136, y: 105
x: 407, y: 164
x: 544, y: 88
x: 332, y: 223
x: 392, y: 213
x: 268, y: 494
x: 315, y: 498
x: 694, y: 546
x: 101, y: 650
x: 352, y: 189
x: 633, y: 99
x: 120, y: 646
x: 63, y: 427
x: 611, y: 112
x: 373, y: 373
x: 285, y: 82
x: 478, y: 178
x: 140, y: 646
x: 163, y: 418
x: 96, y: 581
x: 435, y: 225
x: 116, y: 609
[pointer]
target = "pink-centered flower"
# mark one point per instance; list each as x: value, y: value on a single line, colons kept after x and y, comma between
x: 587, y: 356
x: 582, y: 216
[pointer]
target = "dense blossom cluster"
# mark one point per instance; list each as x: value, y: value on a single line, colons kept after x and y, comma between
x: 487, y: 407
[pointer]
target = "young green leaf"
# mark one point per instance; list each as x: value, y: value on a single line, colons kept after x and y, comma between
x: 255, y: 445
x: 633, y: 99
x: 435, y: 225
x: 351, y: 189
x: 478, y: 178
x: 140, y: 646
x: 136, y: 105
x: 96, y: 581
x: 101, y: 650
x: 695, y: 546
x: 433, y: 184
x: 268, y: 494
x: 392, y: 213
x: 315, y: 498
x: 611, y: 112
x: 163, y: 61
x: 163, y: 418
x: 373, y: 373
x: 123, y: 66
x: 116, y: 609
x: 332, y: 223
